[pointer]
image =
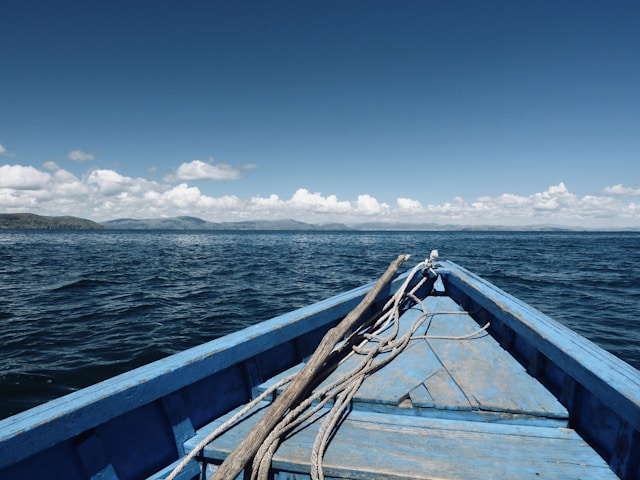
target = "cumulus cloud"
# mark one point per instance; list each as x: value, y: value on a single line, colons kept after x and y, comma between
x: 301, y: 202
x: 104, y: 194
x: 272, y: 201
x: 199, y: 170
x: 18, y: 177
x: 369, y: 206
x: 315, y: 202
x: 621, y: 190
x: 554, y: 206
x: 53, y: 166
x: 409, y: 205
x: 79, y: 156
x: 110, y: 183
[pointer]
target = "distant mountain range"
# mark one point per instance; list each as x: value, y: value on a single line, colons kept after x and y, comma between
x: 32, y: 221
x: 193, y: 223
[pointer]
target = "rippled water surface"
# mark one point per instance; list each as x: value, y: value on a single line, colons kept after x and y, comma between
x: 79, y: 307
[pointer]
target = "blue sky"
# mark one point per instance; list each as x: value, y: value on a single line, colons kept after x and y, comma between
x: 514, y: 113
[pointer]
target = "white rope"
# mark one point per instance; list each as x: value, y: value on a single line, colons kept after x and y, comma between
x: 447, y: 337
x: 376, y: 340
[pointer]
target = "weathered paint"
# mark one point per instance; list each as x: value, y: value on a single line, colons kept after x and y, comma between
x: 601, y: 392
x: 388, y: 446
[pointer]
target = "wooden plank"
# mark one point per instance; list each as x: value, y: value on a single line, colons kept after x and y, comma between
x: 444, y: 391
x: 611, y: 379
x: 191, y: 471
x: 392, y: 384
x: 608, y: 399
x: 179, y: 419
x: 396, y: 446
x: 488, y: 375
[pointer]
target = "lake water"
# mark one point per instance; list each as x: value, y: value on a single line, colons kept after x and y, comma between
x: 77, y: 307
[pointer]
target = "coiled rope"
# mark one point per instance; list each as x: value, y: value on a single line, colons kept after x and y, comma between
x: 373, y: 338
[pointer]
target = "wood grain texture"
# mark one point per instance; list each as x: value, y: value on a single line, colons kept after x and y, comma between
x: 384, y: 446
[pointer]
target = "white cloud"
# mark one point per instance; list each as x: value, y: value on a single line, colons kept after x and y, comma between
x: 619, y: 189
x: 272, y: 201
x: 53, y: 166
x: 109, y: 182
x: 183, y: 196
x: 18, y: 177
x: 104, y: 194
x: 368, y: 205
x: 79, y: 156
x: 199, y: 170
x: 304, y: 200
x: 409, y: 205
x: 555, y: 206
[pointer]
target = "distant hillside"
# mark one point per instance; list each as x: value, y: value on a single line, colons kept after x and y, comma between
x: 438, y: 227
x: 174, y: 223
x: 32, y: 221
x: 193, y: 223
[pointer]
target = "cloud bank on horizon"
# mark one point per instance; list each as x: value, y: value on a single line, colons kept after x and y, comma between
x: 105, y: 194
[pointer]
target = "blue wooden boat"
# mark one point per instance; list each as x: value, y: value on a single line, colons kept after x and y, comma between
x: 439, y: 374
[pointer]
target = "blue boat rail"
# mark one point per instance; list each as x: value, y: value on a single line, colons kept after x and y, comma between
x: 600, y: 391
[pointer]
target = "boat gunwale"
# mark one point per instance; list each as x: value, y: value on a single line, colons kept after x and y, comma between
x: 584, y: 360
x: 601, y: 391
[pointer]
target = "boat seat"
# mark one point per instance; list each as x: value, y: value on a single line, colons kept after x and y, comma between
x: 423, y: 448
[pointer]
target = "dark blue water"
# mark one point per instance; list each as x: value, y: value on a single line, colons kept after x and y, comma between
x: 79, y: 307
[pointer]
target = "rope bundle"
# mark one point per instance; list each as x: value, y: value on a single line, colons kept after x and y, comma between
x: 374, y: 338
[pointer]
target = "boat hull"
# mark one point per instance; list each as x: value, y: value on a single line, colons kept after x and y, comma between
x: 141, y: 423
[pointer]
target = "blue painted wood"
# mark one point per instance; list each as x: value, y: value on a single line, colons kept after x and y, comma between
x: 192, y: 470
x: 601, y: 392
x: 488, y: 375
x: 141, y: 433
x: 181, y: 425
x: 440, y: 391
x: 62, y: 461
x: 387, y: 446
x: 94, y: 458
